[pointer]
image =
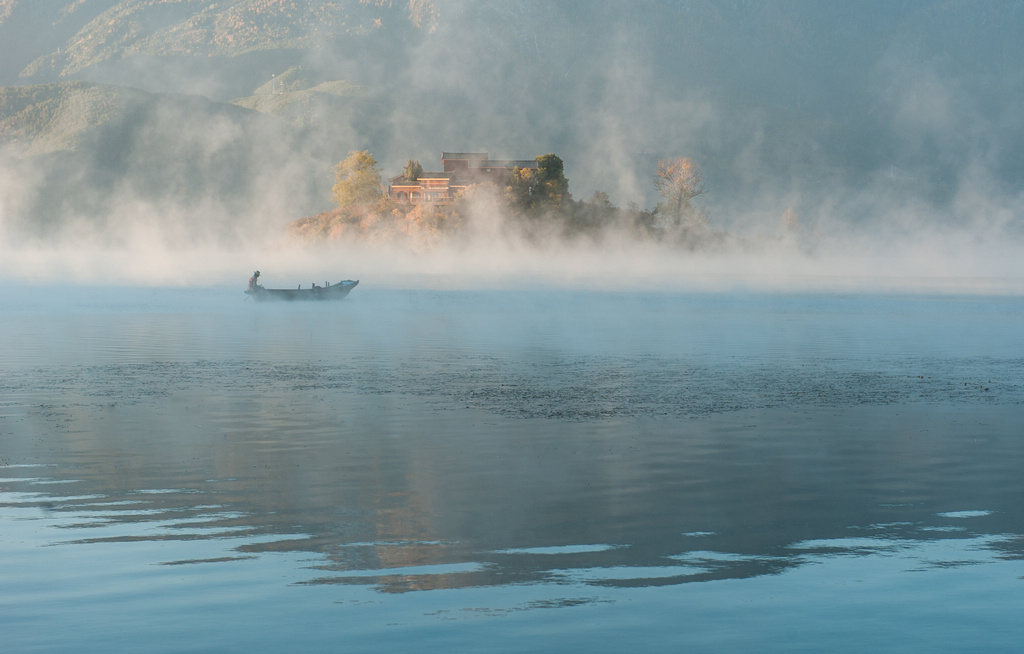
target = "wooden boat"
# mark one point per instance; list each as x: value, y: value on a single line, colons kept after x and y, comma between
x: 328, y: 292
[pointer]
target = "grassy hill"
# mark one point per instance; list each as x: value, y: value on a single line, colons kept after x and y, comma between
x: 47, y: 118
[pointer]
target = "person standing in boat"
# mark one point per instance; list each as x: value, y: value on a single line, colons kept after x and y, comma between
x: 254, y: 281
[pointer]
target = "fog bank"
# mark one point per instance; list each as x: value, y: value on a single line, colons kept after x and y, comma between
x: 948, y: 261
x: 872, y: 145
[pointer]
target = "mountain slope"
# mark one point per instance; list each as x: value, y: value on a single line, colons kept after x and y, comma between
x: 43, y: 119
x: 81, y: 153
x: 782, y: 102
x: 129, y: 29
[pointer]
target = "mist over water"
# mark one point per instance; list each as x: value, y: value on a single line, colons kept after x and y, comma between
x: 948, y: 262
x: 885, y: 127
x: 801, y: 435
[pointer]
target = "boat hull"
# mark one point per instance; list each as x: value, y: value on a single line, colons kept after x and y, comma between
x: 316, y: 294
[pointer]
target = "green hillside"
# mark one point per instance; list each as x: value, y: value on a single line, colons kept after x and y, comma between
x: 301, y: 101
x: 47, y: 118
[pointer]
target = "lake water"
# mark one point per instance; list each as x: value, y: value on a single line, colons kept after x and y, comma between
x: 466, y: 471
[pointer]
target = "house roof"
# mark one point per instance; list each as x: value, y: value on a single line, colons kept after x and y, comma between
x: 504, y: 163
x: 475, y: 161
x: 464, y: 155
x: 402, y: 181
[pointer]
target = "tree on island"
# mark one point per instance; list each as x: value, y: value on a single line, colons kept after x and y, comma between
x: 543, y: 188
x: 679, y: 181
x: 553, y: 187
x: 535, y: 201
x: 412, y: 171
x: 357, y: 180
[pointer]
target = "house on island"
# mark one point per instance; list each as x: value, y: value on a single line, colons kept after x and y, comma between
x: 460, y: 169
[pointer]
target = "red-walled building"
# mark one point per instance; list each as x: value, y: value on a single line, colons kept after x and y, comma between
x: 460, y: 170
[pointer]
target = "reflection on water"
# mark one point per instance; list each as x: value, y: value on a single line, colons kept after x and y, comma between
x: 545, y: 473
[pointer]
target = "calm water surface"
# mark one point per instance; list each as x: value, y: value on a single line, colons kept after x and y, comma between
x: 546, y: 472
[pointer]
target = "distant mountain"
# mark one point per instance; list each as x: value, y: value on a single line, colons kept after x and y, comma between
x: 88, y: 152
x: 301, y: 101
x: 223, y: 49
x: 782, y: 102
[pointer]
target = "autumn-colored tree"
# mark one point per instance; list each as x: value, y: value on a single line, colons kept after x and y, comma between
x: 790, y: 221
x: 679, y: 181
x: 519, y: 191
x: 357, y: 180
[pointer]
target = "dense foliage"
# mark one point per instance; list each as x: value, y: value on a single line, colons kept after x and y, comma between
x: 532, y: 204
x: 357, y: 180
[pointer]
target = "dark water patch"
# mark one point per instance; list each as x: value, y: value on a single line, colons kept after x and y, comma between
x: 591, y: 388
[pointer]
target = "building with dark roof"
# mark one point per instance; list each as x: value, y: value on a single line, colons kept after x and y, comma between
x: 460, y: 170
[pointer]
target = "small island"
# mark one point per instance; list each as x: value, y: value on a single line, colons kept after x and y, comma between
x: 528, y: 198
